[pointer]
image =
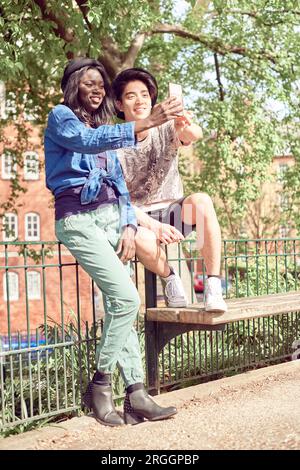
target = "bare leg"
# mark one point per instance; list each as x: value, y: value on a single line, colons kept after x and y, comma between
x: 150, y: 253
x: 199, y: 209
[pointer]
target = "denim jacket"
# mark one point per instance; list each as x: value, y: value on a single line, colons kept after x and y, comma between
x: 71, y: 151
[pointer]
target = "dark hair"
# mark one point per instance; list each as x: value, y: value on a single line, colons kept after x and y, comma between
x: 129, y: 75
x: 105, y: 111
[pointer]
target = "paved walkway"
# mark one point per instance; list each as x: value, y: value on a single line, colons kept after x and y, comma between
x: 256, y: 410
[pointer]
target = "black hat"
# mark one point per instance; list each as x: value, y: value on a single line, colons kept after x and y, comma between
x: 77, y: 64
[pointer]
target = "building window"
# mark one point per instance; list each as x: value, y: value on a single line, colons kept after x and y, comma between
x: 284, y: 231
x: 10, y: 227
x: 243, y: 230
x: 9, y: 168
x: 284, y: 202
x: 13, y: 286
x: 281, y: 171
x: 32, y: 227
x: 33, y: 285
x: 2, y: 100
x: 31, y: 166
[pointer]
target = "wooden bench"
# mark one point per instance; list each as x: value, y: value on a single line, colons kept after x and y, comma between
x: 163, y: 324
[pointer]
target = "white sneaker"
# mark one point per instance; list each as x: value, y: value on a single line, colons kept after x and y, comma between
x: 213, y: 298
x: 173, y: 291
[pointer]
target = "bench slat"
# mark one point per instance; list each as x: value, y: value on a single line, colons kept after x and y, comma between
x: 238, y: 309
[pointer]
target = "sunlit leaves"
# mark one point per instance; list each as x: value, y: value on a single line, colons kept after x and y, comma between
x: 258, y: 55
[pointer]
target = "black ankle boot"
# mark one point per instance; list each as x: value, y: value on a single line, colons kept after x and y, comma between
x: 138, y: 405
x: 98, y: 398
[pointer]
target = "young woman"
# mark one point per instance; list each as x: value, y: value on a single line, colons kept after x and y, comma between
x: 94, y: 219
x: 152, y: 177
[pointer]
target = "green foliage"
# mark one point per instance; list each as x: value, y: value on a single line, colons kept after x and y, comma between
x: 291, y: 182
x: 36, y: 255
x: 264, y: 276
x: 237, y: 60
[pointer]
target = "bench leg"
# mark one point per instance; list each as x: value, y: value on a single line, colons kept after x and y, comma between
x: 158, y: 334
x: 151, y: 336
x: 152, y: 355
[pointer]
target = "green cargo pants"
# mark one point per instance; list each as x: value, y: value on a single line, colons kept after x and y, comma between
x: 92, y: 238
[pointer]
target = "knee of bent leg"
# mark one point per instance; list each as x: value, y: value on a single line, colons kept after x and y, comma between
x: 144, y: 237
x: 201, y: 199
x: 124, y: 304
x: 135, y: 300
x: 202, y: 204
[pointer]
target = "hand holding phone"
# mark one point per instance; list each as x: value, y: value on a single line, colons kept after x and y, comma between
x: 176, y: 90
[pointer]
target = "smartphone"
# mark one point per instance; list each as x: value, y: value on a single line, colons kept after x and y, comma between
x: 176, y: 90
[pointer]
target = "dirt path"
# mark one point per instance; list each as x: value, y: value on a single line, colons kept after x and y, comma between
x: 256, y: 410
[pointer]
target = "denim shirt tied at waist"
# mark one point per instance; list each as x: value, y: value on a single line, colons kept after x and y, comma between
x: 71, y: 151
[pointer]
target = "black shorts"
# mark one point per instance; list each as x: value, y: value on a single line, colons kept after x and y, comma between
x: 172, y: 215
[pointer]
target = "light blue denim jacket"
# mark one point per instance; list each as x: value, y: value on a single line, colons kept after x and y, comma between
x: 70, y: 158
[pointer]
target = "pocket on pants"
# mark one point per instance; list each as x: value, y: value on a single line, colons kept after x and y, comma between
x: 66, y: 231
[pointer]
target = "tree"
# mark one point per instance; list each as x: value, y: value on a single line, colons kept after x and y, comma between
x: 232, y: 56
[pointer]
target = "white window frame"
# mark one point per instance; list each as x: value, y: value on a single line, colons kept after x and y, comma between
x: 10, y: 106
x: 10, y: 216
x: 243, y: 230
x: 284, y: 231
x: 284, y: 202
x: 281, y: 170
x: 33, y: 285
x: 34, y: 172
x: 2, y: 100
x: 28, y: 219
x: 8, y: 169
x: 13, y: 285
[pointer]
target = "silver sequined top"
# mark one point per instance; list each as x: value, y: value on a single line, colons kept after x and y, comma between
x: 151, y: 169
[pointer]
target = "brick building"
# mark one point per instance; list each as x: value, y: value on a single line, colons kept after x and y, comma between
x: 51, y: 291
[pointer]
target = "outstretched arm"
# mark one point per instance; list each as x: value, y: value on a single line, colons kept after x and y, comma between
x: 187, y: 131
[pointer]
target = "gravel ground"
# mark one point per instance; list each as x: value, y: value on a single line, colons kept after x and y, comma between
x: 255, y: 410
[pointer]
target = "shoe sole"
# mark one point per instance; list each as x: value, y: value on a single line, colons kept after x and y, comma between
x: 164, y: 417
x: 176, y: 306
x: 144, y: 419
x: 108, y: 424
x: 133, y: 418
x: 170, y: 305
x: 87, y: 404
x: 179, y: 305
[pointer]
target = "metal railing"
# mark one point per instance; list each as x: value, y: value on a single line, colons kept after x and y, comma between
x: 248, y: 344
x: 48, y: 340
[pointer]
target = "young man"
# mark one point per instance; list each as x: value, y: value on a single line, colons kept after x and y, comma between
x: 152, y: 176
